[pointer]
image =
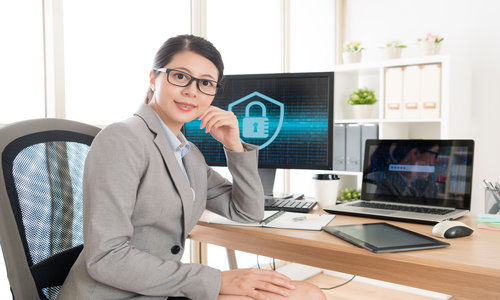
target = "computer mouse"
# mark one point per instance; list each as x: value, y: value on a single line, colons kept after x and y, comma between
x: 451, y: 229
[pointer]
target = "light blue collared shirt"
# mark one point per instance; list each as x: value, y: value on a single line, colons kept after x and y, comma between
x: 180, y: 147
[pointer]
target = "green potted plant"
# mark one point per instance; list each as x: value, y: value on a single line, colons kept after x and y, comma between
x: 392, y: 50
x: 347, y: 195
x: 362, y: 101
x: 430, y: 44
x: 352, y: 52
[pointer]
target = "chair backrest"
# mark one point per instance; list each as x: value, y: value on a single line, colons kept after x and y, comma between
x: 41, y: 202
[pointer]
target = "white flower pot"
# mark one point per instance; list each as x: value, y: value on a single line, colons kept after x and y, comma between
x: 429, y: 48
x: 351, y: 57
x: 391, y: 53
x: 437, y: 49
x: 362, y: 111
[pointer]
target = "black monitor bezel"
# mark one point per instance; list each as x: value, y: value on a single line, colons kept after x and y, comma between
x: 466, y: 203
x: 330, y: 76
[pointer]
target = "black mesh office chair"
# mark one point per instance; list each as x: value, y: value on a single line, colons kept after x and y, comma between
x: 41, y: 202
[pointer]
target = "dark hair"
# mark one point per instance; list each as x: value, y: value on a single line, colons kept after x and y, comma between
x: 401, y: 151
x: 181, y: 43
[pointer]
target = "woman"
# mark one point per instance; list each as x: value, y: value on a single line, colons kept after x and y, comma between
x: 145, y: 187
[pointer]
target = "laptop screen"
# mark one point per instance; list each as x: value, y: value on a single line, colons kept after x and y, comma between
x: 428, y: 172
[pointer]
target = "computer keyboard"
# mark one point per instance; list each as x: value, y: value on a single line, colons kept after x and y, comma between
x: 289, y: 205
x: 418, y: 209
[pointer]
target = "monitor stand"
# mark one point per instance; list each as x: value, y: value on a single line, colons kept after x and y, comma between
x: 267, y: 178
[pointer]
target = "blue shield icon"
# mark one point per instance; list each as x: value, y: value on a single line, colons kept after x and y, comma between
x: 258, y: 115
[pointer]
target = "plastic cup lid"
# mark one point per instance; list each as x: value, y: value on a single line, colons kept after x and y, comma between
x: 326, y: 177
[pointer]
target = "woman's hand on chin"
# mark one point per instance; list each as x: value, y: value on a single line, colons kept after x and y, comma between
x: 223, y: 126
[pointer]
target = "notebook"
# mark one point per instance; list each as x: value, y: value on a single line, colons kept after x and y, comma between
x: 422, y: 181
x: 283, y: 219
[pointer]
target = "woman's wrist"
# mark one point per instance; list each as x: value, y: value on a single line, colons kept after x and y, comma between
x: 235, y: 148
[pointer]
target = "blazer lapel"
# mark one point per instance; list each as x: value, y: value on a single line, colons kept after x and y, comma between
x: 182, y: 185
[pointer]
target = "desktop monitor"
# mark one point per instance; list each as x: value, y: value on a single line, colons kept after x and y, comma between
x: 289, y: 116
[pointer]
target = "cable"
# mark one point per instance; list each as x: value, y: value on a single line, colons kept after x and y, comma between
x: 336, y: 286
x: 273, y: 266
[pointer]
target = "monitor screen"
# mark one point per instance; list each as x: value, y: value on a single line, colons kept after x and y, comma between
x: 428, y: 172
x: 289, y: 116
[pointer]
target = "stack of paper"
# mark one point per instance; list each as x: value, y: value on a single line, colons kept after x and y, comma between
x: 488, y: 221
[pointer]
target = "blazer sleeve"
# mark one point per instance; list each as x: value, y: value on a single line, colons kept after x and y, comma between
x: 112, y: 175
x: 243, y: 200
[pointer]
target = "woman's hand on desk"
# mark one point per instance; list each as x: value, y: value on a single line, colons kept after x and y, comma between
x: 248, y: 282
x: 223, y: 126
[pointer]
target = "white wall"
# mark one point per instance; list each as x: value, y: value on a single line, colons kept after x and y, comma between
x: 472, y: 38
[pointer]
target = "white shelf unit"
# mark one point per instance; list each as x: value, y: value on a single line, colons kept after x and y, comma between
x: 350, y: 77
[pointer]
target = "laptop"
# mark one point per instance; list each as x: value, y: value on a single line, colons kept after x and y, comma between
x: 421, y: 181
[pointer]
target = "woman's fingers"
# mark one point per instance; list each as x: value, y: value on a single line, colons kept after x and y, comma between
x: 274, y: 275
x: 220, y: 121
x: 255, y: 283
x: 272, y: 288
x: 220, y: 117
x: 277, y: 280
x: 206, y: 112
x: 213, y: 121
x: 211, y: 115
x: 207, y: 117
x: 258, y: 296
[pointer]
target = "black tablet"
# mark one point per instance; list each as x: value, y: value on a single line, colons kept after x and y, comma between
x: 384, y: 237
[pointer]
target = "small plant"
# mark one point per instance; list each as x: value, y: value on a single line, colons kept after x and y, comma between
x: 353, y: 46
x: 350, y: 194
x: 362, y: 96
x: 429, y: 37
x: 395, y: 44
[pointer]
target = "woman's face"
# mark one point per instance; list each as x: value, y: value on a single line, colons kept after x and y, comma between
x: 178, y: 105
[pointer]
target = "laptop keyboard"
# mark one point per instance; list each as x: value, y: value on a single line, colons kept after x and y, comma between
x: 417, y: 209
x: 289, y: 205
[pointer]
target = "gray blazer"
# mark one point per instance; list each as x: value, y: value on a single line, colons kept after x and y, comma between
x: 138, y: 209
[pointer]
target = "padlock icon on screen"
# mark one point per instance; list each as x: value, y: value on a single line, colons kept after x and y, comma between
x: 255, y: 127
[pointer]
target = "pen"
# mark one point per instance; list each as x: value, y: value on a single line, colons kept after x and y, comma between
x: 305, y: 217
x: 495, y: 190
x: 495, y: 187
x: 489, y: 184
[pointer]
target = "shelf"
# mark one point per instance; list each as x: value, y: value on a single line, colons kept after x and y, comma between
x: 372, y: 74
x: 357, y: 67
x: 374, y: 65
x: 414, y: 61
x: 356, y: 121
x: 362, y: 121
x: 351, y: 173
x: 411, y: 120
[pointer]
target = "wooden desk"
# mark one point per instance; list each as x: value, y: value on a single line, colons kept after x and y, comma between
x: 469, y: 268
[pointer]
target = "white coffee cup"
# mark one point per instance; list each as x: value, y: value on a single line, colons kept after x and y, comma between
x: 326, y: 189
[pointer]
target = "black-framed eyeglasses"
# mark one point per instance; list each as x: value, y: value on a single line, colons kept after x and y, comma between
x: 436, y: 154
x: 183, y: 79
